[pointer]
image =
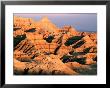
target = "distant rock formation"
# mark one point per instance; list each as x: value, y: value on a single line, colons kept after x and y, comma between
x: 41, y: 48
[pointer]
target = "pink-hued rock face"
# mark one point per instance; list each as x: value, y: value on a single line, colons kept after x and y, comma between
x: 40, y: 48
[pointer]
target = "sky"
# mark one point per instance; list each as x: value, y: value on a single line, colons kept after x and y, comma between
x: 81, y: 21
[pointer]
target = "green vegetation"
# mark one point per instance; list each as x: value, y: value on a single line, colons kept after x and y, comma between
x: 18, y: 39
x: 95, y: 50
x: 72, y: 40
x: 49, y: 39
x: 92, y: 70
x: 75, y: 54
x: 66, y: 59
x: 87, y: 50
x: 79, y: 44
x: 31, y: 30
x: 79, y: 60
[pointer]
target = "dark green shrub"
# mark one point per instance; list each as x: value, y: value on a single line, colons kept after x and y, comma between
x: 79, y: 44
x: 72, y: 40
x: 66, y: 59
x: 18, y: 39
x: 78, y: 53
x: 49, y: 39
x: 79, y: 60
x: 95, y: 50
x: 75, y: 53
x: 31, y: 30
x: 87, y: 50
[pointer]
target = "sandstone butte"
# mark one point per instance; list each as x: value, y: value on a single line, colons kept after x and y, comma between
x: 40, y: 47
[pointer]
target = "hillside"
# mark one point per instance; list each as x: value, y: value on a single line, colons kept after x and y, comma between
x: 40, y: 47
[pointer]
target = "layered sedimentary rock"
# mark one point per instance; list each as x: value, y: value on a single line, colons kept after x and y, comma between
x: 40, y: 47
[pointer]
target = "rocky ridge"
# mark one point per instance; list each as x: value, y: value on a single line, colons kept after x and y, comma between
x: 40, y: 47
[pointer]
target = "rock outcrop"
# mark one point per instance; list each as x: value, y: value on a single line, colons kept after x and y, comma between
x: 41, y: 48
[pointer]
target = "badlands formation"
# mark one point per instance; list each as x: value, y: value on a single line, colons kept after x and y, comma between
x: 41, y: 48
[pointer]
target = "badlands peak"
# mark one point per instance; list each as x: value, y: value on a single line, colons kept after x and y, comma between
x: 45, y: 19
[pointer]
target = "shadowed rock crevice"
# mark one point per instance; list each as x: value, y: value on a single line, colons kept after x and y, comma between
x: 55, y: 52
x: 26, y: 71
x: 41, y: 48
x: 40, y: 72
x: 17, y: 28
